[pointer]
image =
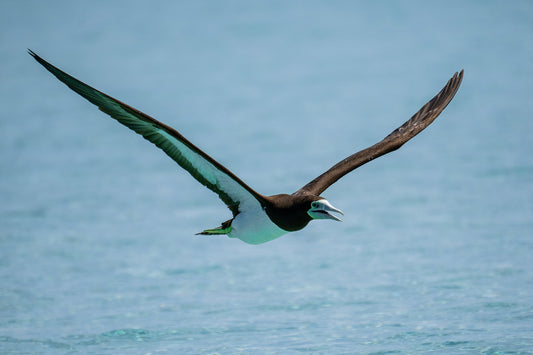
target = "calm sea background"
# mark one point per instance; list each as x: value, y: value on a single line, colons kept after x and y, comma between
x: 97, y: 246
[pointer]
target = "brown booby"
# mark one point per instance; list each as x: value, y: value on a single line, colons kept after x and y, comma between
x: 256, y: 218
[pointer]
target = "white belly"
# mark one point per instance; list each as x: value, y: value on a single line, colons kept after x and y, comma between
x: 254, y: 227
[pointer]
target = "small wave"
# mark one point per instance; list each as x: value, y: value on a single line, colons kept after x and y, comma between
x: 40, y: 342
x: 129, y: 335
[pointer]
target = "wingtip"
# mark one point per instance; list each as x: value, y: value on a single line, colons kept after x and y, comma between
x: 455, y: 81
x: 459, y: 75
x: 34, y: 55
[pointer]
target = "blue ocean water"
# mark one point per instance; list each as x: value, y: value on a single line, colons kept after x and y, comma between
x: 97, y: 246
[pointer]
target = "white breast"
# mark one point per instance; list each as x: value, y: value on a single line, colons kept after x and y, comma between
x: 254, y: 227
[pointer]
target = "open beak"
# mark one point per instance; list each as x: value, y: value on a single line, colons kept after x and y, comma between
x: 322, y: 211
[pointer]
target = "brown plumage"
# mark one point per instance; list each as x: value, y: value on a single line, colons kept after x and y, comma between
x: 393, y: 141
x: 256, y: 218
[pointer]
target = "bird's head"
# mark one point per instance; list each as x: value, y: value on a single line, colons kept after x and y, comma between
x: 321, y: 208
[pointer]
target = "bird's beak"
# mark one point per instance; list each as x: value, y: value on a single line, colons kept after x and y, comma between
x: 322, y: 209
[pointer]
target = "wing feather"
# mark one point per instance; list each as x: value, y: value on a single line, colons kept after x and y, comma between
x: 418, y: 122
x: 231, y: 190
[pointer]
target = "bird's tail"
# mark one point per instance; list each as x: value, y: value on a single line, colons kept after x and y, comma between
x: 225, y: 228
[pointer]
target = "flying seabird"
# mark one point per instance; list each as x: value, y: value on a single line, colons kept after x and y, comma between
x: 256, y: 218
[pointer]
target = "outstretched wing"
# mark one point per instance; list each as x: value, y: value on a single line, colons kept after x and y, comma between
x: 201, y: 166
x: 393, y: 141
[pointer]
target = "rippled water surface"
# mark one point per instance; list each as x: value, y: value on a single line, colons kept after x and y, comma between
x: 97, y: 247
